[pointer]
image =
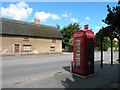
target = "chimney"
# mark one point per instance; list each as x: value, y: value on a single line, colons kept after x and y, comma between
x: 37, y: 21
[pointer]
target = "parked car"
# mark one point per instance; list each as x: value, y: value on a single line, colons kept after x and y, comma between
x: 63, y: 50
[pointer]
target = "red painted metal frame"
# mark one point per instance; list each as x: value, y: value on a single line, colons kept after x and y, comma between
x: 84, y: 69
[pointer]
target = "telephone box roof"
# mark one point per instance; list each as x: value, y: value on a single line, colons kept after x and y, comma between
x: 82, y: 30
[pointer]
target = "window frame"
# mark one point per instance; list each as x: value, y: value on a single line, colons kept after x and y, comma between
x: 25, y: 38
x: 27, y: 48
x: 52, y: 47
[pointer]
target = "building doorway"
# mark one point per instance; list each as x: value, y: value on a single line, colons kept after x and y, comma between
x: 17, y: 48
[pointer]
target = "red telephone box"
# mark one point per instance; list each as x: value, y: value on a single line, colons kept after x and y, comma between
x: 83, y: 62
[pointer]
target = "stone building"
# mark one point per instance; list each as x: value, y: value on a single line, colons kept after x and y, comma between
x: 19, y: 37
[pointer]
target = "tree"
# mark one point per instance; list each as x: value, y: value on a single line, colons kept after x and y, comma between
x: 58, y: 26
x: 106, y: 43
x: 97, y: 43
x: 71, y: 44
x: 67, y: 33
x: 113, y: 18
x: 113, y: 21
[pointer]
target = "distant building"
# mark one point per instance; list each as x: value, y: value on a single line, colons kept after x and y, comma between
x: 29, y: 38
x: 115, y: 39
x: 114, y: 48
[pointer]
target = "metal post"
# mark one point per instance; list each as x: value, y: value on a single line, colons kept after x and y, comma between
x: 111, y: 51
x: 119, y: 49
x: 101, y: 53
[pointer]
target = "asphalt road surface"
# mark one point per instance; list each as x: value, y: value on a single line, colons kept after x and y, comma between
x: 22, y: 69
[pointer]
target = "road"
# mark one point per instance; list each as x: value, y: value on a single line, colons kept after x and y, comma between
x: 23, y: 69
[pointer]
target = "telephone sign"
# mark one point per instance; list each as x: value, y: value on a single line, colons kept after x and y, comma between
x: 83, y: 62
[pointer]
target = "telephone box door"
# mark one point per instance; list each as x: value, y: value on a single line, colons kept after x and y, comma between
x: 78, y: 54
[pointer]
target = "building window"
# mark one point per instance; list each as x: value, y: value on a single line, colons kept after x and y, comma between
x: 26, y: 38
x: 53, y: 40
x: 52, y: 48
x: 26, y: 47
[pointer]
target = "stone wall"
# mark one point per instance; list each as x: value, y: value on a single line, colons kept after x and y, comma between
x: 38, y: 45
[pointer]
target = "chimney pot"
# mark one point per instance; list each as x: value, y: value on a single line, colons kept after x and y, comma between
x: 37, y: 21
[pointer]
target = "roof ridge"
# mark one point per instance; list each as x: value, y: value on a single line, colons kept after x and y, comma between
x: 27, y: 23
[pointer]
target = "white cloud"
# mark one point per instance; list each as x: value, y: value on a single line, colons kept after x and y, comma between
x: 22, y: 4
x: 87, y: 18
x: 82, y: 23
x: 32, y: 20
x: 65, y: 15
x: 17, y: 11
x: 97, y: 27
x: 42, y: 15
x: 73, y: 19
x: 55, y: 17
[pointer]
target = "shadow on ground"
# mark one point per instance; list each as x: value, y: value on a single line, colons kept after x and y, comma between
x: 104, y: 77
x: 67, y: 68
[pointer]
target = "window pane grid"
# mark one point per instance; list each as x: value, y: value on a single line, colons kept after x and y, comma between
x: 27, y: 47
x: 52, y: 48
x: 78, y: 51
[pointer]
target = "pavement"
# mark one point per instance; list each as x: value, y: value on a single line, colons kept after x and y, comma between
x: 104, y: 78
x: 107, y: 77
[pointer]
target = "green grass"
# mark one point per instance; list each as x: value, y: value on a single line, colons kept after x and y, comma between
x: 56, y: 74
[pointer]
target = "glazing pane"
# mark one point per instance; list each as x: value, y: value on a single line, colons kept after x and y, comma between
x: 77, y: 40
x: 77, y: 63
x: 77, y: 55
x: 78, y: 47
x: 77, y: 58
x: 77, y: 43
x: 78, y: 51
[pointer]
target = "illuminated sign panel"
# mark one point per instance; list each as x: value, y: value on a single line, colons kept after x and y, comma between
x: 89, y: 34
x: 78, y: 34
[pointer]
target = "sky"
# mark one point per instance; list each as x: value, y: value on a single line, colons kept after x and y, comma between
x: 61, y: 13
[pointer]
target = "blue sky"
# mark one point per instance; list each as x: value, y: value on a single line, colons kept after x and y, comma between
x: 61, y: 13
